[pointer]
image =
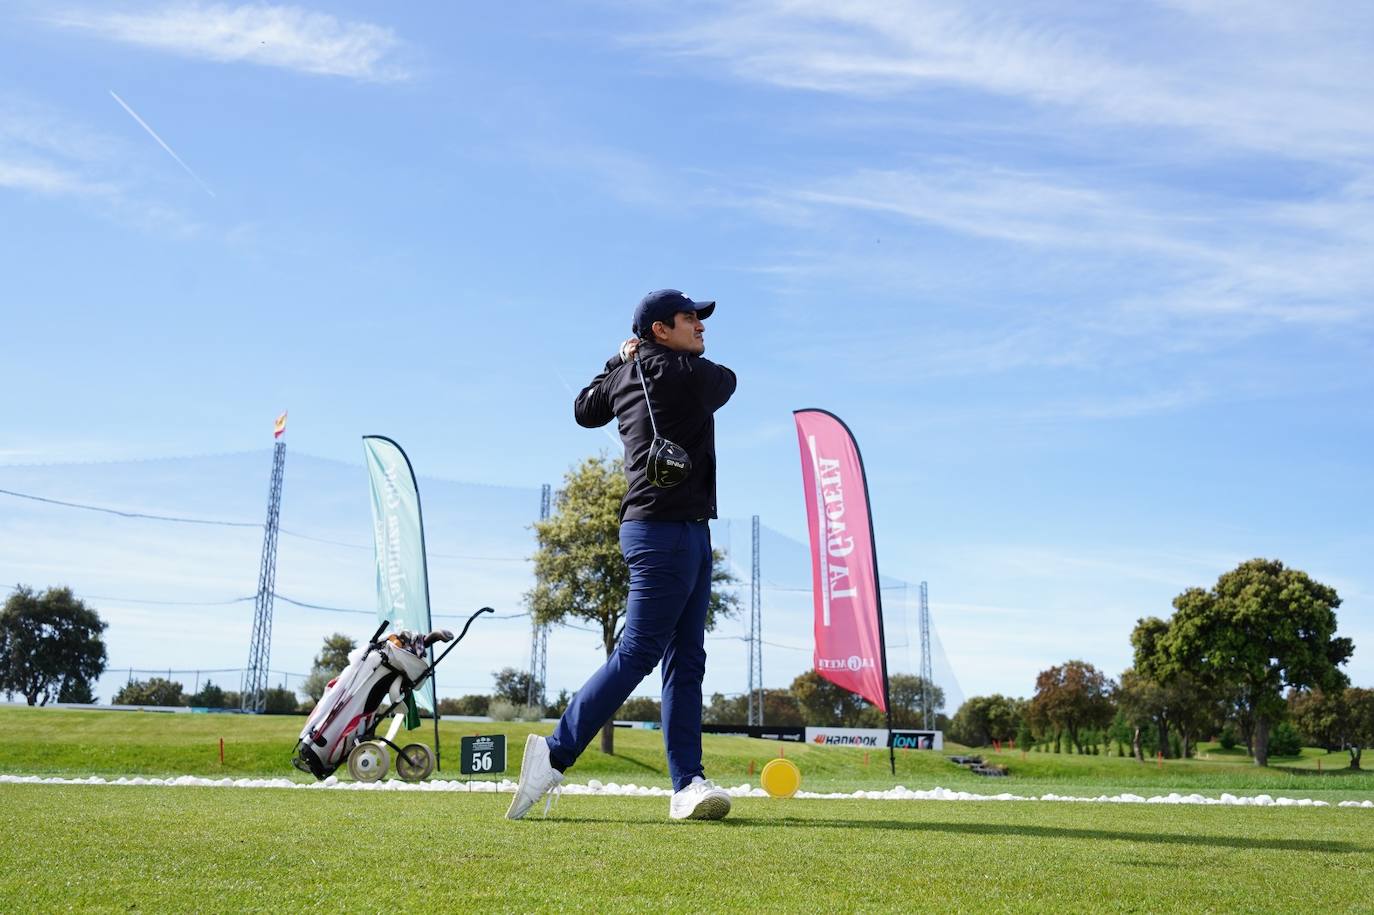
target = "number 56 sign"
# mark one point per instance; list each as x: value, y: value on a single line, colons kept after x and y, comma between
x: 483, y: 755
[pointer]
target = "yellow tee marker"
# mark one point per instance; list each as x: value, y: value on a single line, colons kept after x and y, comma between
x: 780, y: 778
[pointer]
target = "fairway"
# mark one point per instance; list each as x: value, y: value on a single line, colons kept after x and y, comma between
x: 185, y: 848
x: 155, y: 849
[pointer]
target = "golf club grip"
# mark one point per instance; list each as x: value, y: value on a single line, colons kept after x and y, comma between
x: 380, y: 629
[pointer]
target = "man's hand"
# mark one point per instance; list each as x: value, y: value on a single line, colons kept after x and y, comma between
x: 628, y: 349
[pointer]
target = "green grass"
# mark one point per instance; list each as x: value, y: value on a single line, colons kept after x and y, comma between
x: 215, y: 849
x: 80, y: 743
x: 193, y: 849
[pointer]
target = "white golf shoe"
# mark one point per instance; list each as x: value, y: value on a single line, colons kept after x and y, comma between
x: 701, y: 800
x: 537, y: 776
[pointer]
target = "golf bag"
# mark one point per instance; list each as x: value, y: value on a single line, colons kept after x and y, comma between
x: 381, y: 677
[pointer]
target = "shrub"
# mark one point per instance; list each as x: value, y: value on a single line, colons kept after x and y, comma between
x: 1228, y: 738
x: 502, y: 710
x: 1285, y: 741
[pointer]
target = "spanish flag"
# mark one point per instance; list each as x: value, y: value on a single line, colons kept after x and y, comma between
x: 280, y: 428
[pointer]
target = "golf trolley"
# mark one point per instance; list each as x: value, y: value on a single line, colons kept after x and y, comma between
x: 380, y: 679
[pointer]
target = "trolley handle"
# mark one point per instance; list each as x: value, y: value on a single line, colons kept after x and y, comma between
x: 451, y: 645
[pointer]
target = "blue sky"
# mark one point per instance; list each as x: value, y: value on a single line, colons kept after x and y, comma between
x: 1092, y: 288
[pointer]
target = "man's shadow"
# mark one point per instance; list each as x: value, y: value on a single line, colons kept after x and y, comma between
x: 1069, y: 832
x: 1014, y: 830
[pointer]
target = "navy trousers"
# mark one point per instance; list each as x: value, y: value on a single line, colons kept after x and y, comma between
x: 665, y: 620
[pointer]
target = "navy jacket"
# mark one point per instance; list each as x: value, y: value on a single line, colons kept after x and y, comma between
x: 685, y: 391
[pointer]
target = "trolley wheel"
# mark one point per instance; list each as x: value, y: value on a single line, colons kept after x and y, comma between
x: 368, y: 762
x: 419, y: 764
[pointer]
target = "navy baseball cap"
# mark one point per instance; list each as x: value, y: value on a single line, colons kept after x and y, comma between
x: 661, y: 305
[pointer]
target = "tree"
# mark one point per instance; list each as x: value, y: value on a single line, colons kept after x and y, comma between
x: 155, y: 691
x: 329, y: 663
x: 512, y: 685
x: 209, y: 696
x: 1073, y: 696
x: 1319, y: 715
x: 76, y: 690
x: 824, y: 704
x: 906, y: 696
x: 1144, y: 705
x: 723, y: 709
x: 1357, y: 724
x: 50, y: 646
x: 471, y: 705
x: 578, y: 569
x: 780, y: 708
x: 1262, y: 628
x: 281, y: 701
x: 559, y: 705
x: 640, y: 708
x: 983, y: 719
x: 1285, y: 740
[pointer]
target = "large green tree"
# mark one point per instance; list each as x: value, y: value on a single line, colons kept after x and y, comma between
x: 1262, y: 629
x: 823, y: 704
x: 512, y: 685
x: 329, y: 663
x: 983, y: 719
x: 1072, y: 697
x: 1175, y: 695
x: 50, y: 646
x: 578, y: 570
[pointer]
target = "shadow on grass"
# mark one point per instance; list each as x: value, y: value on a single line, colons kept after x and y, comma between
x: 997, y: 830
x: 1062, y: 832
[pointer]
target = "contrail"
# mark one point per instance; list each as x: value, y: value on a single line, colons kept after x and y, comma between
x: 606, y: 429
x: 152, y: 133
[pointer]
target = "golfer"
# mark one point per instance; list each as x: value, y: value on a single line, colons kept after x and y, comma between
x: 666, y: 541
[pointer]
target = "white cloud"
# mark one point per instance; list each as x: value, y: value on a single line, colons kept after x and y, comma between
x: 44, y: 178
x: 275, y: 36
x: 1214, y: 70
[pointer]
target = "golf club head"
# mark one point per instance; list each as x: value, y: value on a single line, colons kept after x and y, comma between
x: 668, y: 464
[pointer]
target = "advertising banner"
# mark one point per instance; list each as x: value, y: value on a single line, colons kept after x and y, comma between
x: 918, y: 740
x: 402, y: 577
x: 865, y: 738
x: 876, y: 738
x: 848, y: 613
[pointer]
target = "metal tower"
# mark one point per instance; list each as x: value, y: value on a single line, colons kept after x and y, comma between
x: 253, y: 697
x: 539, y: 643
x: 927, y: 670
x: 755, y: 636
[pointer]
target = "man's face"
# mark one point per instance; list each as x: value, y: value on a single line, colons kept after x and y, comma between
x: 685, y: 336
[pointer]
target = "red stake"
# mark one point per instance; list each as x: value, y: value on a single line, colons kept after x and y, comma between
x: 1159, y: 763
x: 751, y: 767
x: 782, y: 751
x: 221, y: 751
